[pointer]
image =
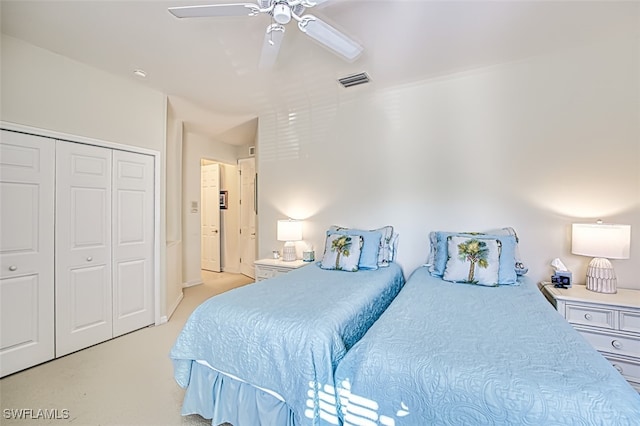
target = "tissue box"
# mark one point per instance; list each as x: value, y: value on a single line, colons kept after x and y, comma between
x: 308, y: 256
x: 562, y: 278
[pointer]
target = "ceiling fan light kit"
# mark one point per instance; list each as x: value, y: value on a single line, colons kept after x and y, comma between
x: 281, y: 12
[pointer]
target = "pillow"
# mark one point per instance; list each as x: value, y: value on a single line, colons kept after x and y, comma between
x: 393, y: 248
x: 520, y: 267
x: 472, y: 260
x: 342, y: 252
x: 438, y: 254
x: 370, y: 247
x: 387, y: 245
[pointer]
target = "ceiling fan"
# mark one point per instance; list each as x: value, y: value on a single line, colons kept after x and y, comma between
x: 281, y: 11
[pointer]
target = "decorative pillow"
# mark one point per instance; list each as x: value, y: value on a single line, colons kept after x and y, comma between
x: 342, y: 252
x: 438, y: 254
x: 521, y: 268
x: 387, y: 244
x: 370, y: 245
x: 393, y: 248
x: 472, y: 260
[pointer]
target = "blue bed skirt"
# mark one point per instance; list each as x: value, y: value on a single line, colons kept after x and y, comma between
x: 220, y: 398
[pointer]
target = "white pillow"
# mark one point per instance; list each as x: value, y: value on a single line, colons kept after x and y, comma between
x: 472, y: 260
x: 342, y: 252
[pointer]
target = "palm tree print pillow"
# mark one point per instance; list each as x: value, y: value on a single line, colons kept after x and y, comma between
x: 342, y: 252
x: 472, y: 260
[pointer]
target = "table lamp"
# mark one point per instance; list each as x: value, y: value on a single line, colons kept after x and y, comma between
x: 289, y: 231
x: 602, y: 241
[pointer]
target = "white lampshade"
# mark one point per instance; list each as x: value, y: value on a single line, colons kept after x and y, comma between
x: 289, y: 231
x: 603, y: 242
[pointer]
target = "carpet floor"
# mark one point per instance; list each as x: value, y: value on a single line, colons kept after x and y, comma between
x: 124, y: 381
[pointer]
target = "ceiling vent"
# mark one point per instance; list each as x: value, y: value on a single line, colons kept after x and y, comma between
x: 354, y: 80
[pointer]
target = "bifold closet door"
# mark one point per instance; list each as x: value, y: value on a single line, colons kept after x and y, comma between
x: 26, y: 251
x: 133, y: 249
x: 83, y: 294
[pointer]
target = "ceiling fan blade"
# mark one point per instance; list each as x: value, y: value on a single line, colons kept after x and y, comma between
x: 271, y: 46
x: 206, y: 11
x: 312, y: 3
x: 330, y: 37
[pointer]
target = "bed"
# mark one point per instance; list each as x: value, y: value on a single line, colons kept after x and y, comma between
x: 256, y: 355
x: 454, y: 353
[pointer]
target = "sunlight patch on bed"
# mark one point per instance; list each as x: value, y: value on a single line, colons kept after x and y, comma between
x: 355, y: 409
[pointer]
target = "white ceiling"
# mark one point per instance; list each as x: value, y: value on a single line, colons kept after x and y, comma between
x: 208, y: 66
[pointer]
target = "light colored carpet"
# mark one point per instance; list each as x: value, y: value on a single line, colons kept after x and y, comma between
x: 125, y: 381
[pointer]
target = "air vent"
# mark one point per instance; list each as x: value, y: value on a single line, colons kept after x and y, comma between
x: 354, y: 80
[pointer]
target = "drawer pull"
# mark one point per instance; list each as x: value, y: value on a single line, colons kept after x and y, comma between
x: 89, y: 259
x: 616, y: 344
x: 588, y: 317
x: 617, y: 367
x: 13, y: 268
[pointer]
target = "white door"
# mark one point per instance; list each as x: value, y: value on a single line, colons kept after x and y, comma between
x: 132, y: 240
x: 26, y: 251
x: 83, y: 246
x: 210, y: 217
x: 247, y: 242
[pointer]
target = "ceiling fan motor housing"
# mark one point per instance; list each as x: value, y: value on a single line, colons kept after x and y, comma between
x: 282, y: 13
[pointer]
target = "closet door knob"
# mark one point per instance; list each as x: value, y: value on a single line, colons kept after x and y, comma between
x: 13, y: 268
x: 89, y: 259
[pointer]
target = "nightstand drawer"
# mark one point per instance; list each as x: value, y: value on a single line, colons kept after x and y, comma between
x: 263, y: 274
x: 266, y: 273
x: 593, y: 317
x: 630, y: 369
x: 630, y: 321
x: 613, y: 344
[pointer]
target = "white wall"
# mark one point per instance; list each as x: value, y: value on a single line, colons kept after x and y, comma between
x: 195, y: 148
x: 174, y: 211
x: 44, y: 90
x: 535, y: 145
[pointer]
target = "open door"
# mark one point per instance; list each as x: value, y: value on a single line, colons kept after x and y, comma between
x: 248, y: 212
x: 210, y: 217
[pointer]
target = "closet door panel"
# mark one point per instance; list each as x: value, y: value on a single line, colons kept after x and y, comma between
x: 26, y: 251
x: 83, y: 246
x: 133, y: 244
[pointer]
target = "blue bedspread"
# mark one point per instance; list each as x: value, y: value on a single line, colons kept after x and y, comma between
x: 459, y: 354
x: 284, y: 333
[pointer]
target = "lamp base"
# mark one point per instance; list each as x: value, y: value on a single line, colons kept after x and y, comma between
x: 289, y: 251
x: 601, y: 277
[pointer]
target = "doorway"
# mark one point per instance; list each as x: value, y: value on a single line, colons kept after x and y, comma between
x: 210, y: 217
x: 228, y: 216
x: 248, y: 215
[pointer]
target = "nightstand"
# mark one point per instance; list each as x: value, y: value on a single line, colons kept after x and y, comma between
x: 269, y: 268
x: 610, y: 322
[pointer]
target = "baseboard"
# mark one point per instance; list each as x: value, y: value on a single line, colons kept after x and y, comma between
x: 192, y: 283
x: 175, y: 305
